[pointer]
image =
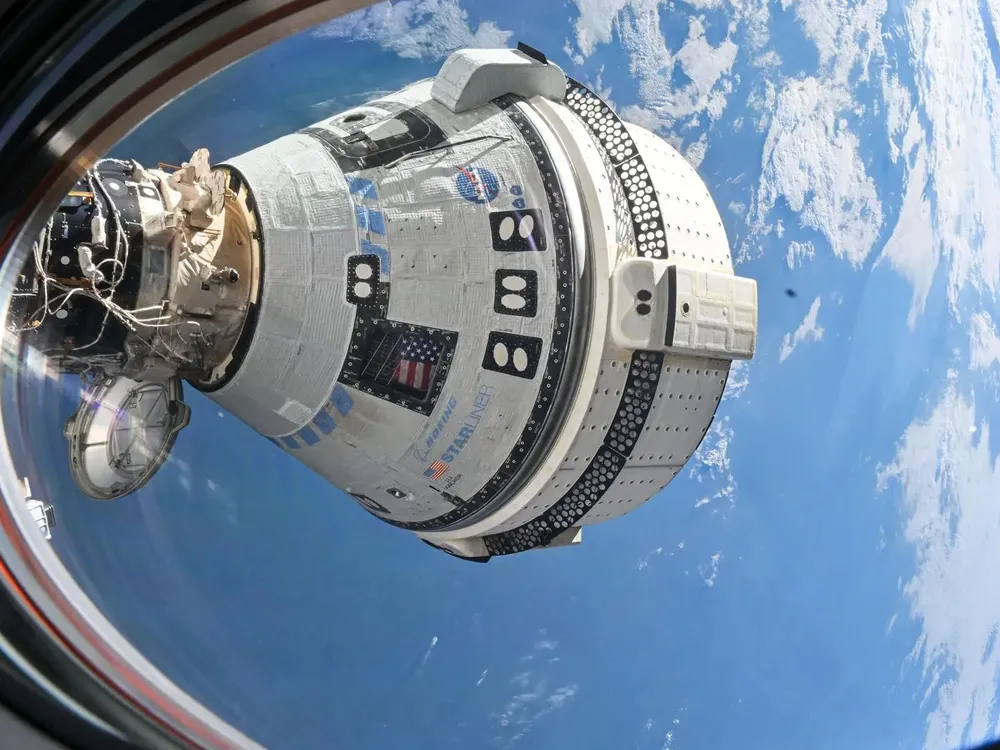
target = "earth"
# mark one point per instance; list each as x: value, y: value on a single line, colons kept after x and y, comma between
x: 817, y: 576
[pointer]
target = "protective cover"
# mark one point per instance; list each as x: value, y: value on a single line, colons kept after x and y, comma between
x: 122, y: 434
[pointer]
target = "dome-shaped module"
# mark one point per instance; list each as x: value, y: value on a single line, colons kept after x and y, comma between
x: 689, y: 387
x: 678, y: 317
x: 692, y: 225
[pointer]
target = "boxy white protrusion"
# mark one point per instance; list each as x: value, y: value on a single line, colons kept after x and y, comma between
x: 473, y: 77
x: 707, y: 313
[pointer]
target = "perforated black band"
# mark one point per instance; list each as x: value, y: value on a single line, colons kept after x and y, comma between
x: 643, y: 209
x: 613, y: 136
x: 601, y: 472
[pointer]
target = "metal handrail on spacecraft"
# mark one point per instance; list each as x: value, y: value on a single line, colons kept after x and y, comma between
x: 484, y: 306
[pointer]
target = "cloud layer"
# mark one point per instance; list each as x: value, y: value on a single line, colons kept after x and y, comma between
x: 809, y: 330
x: 948, y: 481
x: 533, y: 696
x: 416, y: 29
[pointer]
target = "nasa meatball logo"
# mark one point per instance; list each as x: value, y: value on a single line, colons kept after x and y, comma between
x: 477, y: 184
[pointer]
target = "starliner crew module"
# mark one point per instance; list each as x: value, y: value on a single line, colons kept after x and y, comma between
x: 484, y: 306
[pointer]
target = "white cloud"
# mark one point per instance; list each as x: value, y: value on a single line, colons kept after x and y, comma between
x: 912, y: 249
x: 710, y: 463
x: 595, y: 23
x: 808, y: 330
x: 706, y: 66
x: 695, y: 153
x: 532, y: 699
x: 898, y: 109
x: 427, y: 654
x: 847, y: 33
x: 710, y: 571
x: 418, y: 29
x: 652, y: 64
x: 799, y: 253
x: 711, y: 460
x: 811, y: 160
x: 644, y: 562
x: 948, y: 479
x: 601, y: 90
x: 762, y: 100
x: 738, y: 380
x: 643, y: 117
x: 958, y: 93
x: 984, y: 344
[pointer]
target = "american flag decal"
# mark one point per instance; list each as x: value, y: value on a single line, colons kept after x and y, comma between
x: 436, y: 470
x: 418, y: 356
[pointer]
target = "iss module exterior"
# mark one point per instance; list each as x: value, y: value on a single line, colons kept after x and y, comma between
x: 484, y: 306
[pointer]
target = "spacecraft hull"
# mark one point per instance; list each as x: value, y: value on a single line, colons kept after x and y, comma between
x: 483, y: 306
x: 472, y: 386
x: 421, y: 312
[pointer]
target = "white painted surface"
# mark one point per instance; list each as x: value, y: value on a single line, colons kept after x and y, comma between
x: 442, y: 270
x: 470, y: 78
x: 304, y: 326
x: 594, y: 211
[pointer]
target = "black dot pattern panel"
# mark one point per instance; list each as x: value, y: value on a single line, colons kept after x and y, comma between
x: 512, y: 354
x: 623, y: 213
x: 515, y: 292
x: 628, y: 164
x: 559, y: 344
x: 363, y: 287
x: 600, y: 474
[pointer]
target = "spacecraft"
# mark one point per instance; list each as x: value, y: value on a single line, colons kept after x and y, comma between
x: 485, y: 307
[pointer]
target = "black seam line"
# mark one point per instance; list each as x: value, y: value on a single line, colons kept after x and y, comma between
x: 559, y: 346
x: 603, y: 469
x: 668, y: 339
